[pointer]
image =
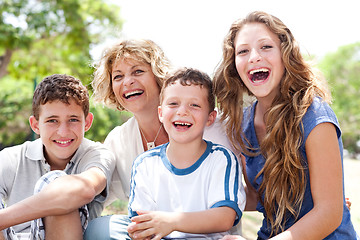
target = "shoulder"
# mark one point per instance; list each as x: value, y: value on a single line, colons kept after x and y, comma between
x: 319, y: 112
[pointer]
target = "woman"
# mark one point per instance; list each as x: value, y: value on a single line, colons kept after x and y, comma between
x: 290, y: 137
x: 129, y: 77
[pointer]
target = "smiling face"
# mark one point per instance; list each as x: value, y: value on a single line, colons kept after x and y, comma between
x: 135, y: 86
x: 258, y: 60
x: 61, y: 128
x: 184, y: 112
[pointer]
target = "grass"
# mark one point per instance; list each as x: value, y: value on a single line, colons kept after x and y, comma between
x: 251, y: 221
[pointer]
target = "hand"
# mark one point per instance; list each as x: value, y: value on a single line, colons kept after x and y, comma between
x: 233, y: 237
x: 151, y: 225
x: 348, y: 203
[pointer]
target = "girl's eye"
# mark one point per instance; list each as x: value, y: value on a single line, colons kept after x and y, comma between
x: 242, y: 52
x: 267, y: 47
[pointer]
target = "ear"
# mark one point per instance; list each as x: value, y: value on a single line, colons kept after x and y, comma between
x: 160, y: 114
x: 34, y: 124
x: 88, y: 121
x: 211, y: 118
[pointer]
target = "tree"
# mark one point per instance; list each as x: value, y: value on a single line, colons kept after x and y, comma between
x: 342, y: 70
x: 38, y: 38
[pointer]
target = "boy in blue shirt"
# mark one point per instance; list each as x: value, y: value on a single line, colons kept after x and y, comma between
x: 188, y: 188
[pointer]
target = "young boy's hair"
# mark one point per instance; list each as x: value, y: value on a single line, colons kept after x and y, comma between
x: 188, y: 77
x: 60, y: 87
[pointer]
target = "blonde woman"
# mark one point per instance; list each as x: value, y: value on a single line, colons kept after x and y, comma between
x: 290, y: 137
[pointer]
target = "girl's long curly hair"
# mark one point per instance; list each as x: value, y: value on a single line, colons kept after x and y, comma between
x: 283, y: 186
x: 140, y: 50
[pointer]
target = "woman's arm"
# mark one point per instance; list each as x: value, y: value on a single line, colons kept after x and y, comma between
x: 326, y: 182
x: 251, y: 194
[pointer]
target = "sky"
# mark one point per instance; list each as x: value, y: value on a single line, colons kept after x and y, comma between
x: 191, y: 31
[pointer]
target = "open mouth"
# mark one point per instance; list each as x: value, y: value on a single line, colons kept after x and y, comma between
x: 133, y: 94
x: 259, y: 75
x: 182, y: 125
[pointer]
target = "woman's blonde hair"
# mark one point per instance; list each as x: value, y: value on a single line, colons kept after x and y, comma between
x: 283, y: 185
x: 140, y: 50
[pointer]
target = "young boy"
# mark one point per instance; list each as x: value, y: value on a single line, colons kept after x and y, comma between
x: 189, y: 187
x: 31, y: 185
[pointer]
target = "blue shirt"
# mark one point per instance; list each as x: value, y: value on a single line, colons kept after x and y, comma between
x: 318, y: 112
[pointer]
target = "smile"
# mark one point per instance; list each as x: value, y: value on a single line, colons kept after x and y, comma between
x: 133, y: 93
x: 63, y: 142
x: 182, y: 125
x: 259, y: 75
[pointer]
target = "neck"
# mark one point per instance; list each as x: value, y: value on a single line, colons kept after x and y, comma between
x: 150, y: 129
x: 185, y: 155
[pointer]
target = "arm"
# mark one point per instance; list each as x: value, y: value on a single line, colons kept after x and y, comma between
x: 325, y: 169
x: 61, y: 196
x: 251, y: 194
x: 160, y: 224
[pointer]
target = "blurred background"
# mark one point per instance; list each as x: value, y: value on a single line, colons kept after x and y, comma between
x: 40, y: 38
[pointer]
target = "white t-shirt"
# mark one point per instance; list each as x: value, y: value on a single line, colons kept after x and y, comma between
x: 214, y: 180
x: 126, y: 144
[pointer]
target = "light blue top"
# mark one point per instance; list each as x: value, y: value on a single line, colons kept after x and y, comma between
x: 318, y: 112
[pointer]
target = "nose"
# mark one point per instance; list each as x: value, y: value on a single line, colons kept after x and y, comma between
x: 128, y: 80
x: 63, y: 129
x: 182, y: 110
x: 254, y: 56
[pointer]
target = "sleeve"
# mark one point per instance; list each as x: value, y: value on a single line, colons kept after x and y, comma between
x: 226, y: 188
x: 97, y: 155
x: 140, y: 189
x: 8, y: 166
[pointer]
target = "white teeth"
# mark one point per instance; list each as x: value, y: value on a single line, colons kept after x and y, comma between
x: 182, y: 123
x: 133, y: 92
x: 63, y: 142
x: 259, y: 70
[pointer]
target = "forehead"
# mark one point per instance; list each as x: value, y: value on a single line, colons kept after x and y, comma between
x: 255, y: 32
x: 128, y: 62
x: 176, y: 89
x: 60, y: 109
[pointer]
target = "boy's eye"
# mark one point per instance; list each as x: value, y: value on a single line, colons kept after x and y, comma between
x: 51, y: 121
x: 195, y: 105
x: 74, y: 120
x: 172, y: 103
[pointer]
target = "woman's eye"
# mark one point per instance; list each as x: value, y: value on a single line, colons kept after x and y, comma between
x: 117, y: 77
x: 139, y: 71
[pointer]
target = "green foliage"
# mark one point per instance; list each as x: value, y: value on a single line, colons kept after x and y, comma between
x: 342, y: 70
x: 40, y: 38
x: 47, y: 36
x: 15, y: 109
x: 105, y: 120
